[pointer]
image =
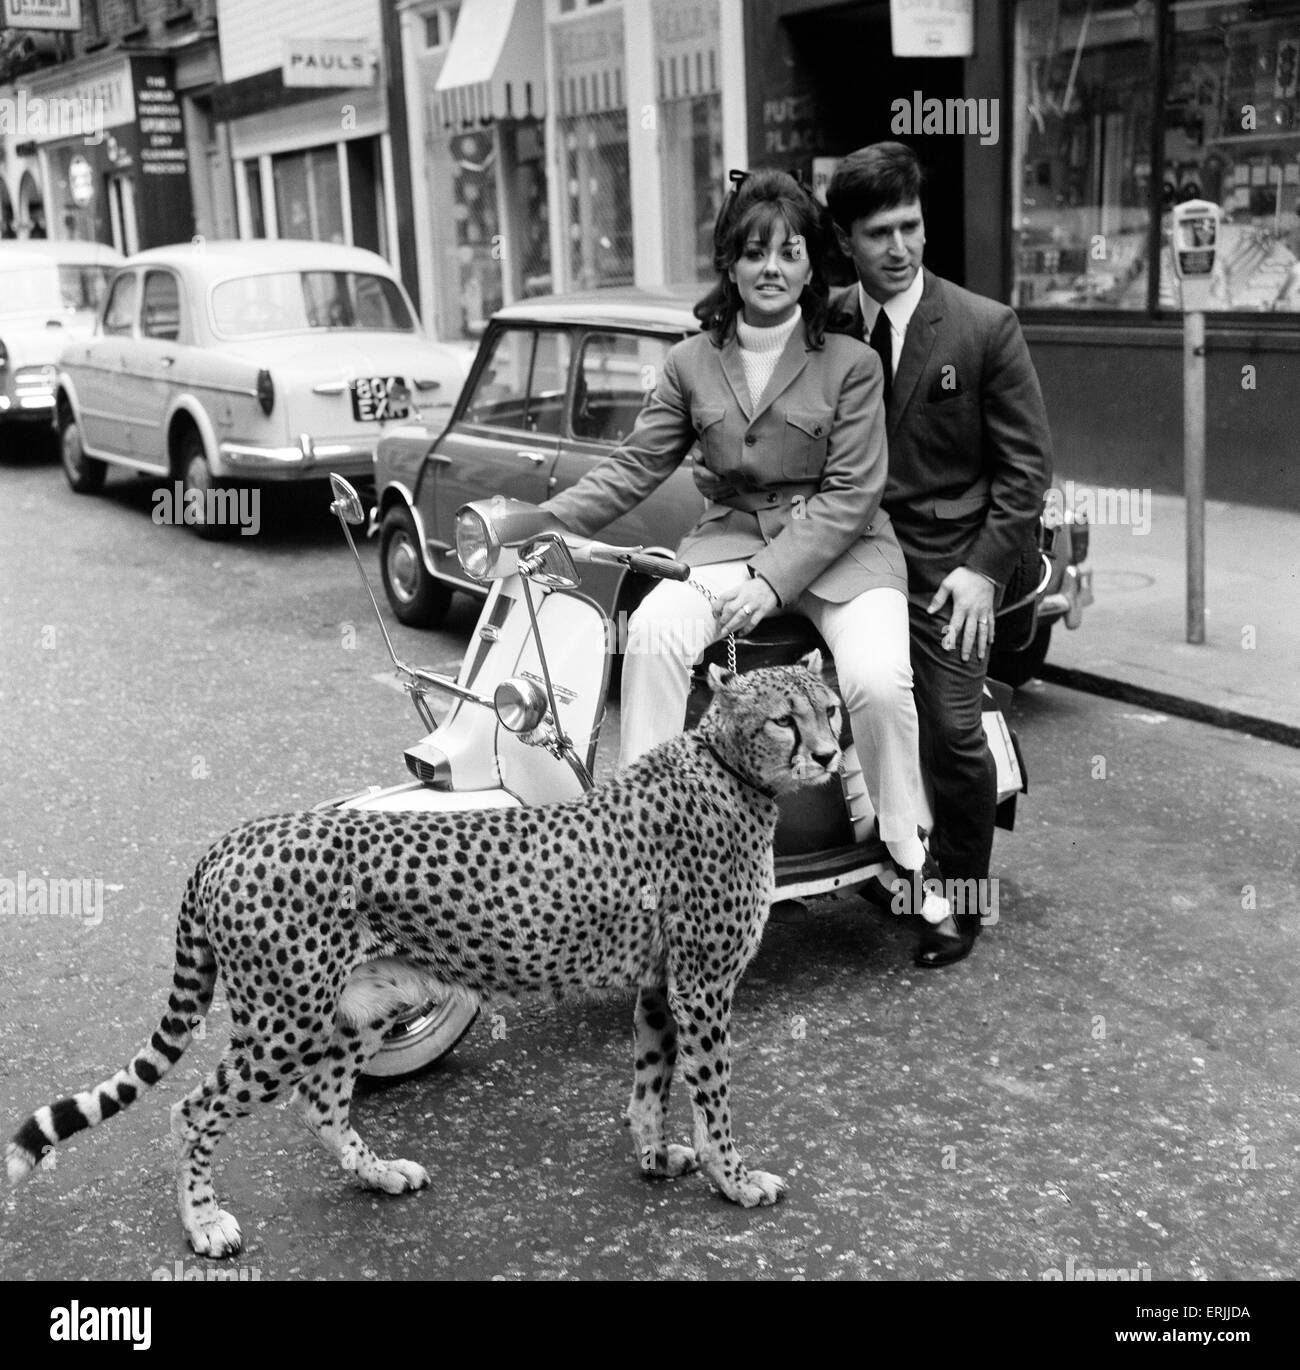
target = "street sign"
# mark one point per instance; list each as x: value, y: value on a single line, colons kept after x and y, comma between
x: 57, y: 16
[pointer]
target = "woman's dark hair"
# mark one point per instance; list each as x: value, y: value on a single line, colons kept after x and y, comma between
x: 881, y: 176
x: 760, y: 202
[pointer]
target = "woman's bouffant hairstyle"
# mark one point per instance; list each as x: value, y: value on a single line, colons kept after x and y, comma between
x: 759, y: 201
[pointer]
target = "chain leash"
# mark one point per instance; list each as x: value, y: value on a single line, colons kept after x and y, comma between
x: 731, y: 637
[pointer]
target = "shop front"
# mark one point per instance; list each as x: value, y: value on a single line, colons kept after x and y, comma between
x: 1056, y: 151
x: 476, y: 105
x: 305, y: 117
x: 112, y: 148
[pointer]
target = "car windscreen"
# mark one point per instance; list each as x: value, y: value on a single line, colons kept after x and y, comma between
x: 71, y: 285
x: 298, y: 301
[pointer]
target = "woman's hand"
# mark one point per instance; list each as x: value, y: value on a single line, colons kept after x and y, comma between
x: 738, y: 610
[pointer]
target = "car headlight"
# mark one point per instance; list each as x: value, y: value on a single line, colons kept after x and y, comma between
x: 473, y: 543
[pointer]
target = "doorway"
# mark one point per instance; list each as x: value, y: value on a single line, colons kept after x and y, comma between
x: 121, y: 210
x: 846, y: 51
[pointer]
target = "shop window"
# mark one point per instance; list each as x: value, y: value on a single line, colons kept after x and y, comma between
x: 597, y: 199
x: 161, y: 311
x: 617, y: 374
x: 522, y: 383
x: 1087, y: 82
x: 1083, y: 103
x: 1232, y: 135
x: 308, y: 195
x: 119, y: 317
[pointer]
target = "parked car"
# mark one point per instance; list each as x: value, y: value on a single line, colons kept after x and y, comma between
x: 558, y: 382
x: 49, y: 293
x: 220, y: 362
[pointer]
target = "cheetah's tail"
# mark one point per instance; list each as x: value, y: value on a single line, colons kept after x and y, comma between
x: 193, y: 981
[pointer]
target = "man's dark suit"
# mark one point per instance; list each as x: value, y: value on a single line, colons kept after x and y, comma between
x: 969, y: 463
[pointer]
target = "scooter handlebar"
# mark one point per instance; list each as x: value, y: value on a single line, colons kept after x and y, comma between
x: 645, y: 563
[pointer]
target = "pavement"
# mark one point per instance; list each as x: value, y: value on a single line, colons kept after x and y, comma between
x: 1132, y: 644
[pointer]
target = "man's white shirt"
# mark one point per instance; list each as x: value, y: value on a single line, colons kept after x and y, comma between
x: 898, y: 310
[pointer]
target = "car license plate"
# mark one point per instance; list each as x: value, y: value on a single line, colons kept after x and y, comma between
x: 376, y: 399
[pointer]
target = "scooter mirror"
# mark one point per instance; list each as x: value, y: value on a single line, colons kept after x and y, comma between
x: 547, y: 561
x: 347, y: 503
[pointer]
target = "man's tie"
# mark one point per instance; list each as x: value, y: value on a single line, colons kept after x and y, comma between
x: 882, y: 339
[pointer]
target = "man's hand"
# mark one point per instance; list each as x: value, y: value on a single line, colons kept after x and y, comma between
x: 738, y: 610
x: 972, y: 611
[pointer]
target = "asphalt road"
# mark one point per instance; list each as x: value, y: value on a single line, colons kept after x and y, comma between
x: 1112, y: 1081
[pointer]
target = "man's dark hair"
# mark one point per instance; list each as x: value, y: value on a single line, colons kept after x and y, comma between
x: 874, y: 178
x: 762, y: 201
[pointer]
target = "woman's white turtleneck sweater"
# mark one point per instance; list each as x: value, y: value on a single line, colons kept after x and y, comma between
x: 760, y: 350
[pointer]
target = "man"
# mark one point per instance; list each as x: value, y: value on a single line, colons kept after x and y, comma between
x: 969, y: 464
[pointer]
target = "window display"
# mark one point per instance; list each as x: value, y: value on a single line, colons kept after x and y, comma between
x: 1229, y: 85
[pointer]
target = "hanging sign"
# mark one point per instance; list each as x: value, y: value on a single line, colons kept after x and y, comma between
x: 932, y: 28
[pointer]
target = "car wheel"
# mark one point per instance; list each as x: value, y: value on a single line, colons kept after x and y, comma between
x: 1015, y: 668
x: 421, y: 1038
x: 417, y: 598
x: 85, y: 474
x: 197, y: 475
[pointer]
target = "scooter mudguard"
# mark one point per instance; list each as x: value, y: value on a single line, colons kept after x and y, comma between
x: 472, y: 750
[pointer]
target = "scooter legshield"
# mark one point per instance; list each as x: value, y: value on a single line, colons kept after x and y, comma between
x: 472, y: 749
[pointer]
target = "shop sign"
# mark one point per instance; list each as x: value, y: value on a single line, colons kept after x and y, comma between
x: 588, y: 46
x: 161, y: 127
x: 81, y: 181
x: 932, y: 28
x: 328, y: 62
x: 51, y: 16
x: 81, y: 110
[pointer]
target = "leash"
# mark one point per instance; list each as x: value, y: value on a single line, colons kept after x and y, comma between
x: 731, y: 637
x: 727, y: 766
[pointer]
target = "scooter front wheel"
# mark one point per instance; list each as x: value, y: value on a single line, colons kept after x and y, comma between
x: 421, y: 1038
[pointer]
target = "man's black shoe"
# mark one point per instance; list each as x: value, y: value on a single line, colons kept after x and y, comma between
x: 947, y: 942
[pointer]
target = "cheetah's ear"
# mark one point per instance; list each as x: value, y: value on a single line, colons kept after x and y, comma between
x: 813, y: 661
x: 718, y: 678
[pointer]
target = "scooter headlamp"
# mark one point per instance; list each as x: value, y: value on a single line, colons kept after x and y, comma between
x: 474, y: 543
x: 520, y: 704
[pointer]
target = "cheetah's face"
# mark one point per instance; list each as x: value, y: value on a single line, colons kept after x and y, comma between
x: 783, y: 723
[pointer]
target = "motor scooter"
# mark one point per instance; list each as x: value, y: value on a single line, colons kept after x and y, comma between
x: 528, y: 703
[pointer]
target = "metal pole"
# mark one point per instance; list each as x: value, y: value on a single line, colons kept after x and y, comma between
x: 1194, y: 468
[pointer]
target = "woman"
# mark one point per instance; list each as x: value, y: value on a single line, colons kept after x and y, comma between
x: 790, y: 424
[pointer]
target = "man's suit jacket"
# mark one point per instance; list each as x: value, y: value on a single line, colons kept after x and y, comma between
x: 970, y: 452
x: 796, y: 480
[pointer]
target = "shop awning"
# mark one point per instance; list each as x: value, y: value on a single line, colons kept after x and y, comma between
x: 494, y: 67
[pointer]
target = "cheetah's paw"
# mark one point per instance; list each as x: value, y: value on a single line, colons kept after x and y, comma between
x: 668, y: 1165
x: 394, y: 1177
x: 758, y: 1189
x: 217, y: 1236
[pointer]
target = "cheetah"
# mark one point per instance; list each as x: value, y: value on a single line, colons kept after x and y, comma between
x: 327, y: 926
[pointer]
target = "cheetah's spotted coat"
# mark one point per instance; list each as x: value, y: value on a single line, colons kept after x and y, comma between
x: 327, y: 926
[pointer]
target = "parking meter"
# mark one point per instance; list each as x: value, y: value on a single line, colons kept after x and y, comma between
x: 1195, y: 247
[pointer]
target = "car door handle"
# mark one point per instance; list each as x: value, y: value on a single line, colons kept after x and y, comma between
x: 537, y: 458
x: 166, y: 362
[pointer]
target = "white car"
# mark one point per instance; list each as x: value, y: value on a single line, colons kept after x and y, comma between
x: 218, y: 362
x: 49, y: 293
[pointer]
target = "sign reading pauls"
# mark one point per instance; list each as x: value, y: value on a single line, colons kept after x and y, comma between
x: 50, y: 15
x: 328, y: 62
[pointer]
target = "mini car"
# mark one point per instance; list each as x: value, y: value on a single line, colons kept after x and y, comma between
x: 234, y: 362
x: 557, y: 383
x: 49, y: 293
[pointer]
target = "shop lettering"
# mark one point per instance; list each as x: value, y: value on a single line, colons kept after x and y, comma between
x: 681, y: 25
x: 352, y: 63
x: 38, y: 119
x: 791, y: 110
x: 957, y: 117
